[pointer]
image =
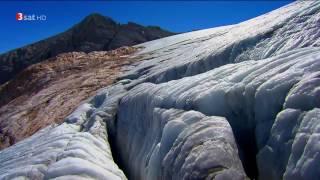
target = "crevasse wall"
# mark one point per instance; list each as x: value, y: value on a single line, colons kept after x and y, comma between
x: 249, y: 95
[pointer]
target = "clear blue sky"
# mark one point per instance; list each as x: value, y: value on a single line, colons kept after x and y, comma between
x: 178, y: 16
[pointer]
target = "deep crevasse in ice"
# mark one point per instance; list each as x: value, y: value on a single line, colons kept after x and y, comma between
x: 174, y: 144
x: 249, y: 95
x: 223, y: 103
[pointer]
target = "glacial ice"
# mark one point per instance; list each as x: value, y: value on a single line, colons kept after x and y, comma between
x: 291, y: 27
x: 177, y: 145
x: 249, y: 95
x: 59, y: 152
x: 295, y: 124
x: 233, y: 102
x: 76, y: 149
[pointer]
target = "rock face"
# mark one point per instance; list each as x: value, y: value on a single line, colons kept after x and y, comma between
x: 47, y: 92
x: 233, y: 102
x: 94, y: 33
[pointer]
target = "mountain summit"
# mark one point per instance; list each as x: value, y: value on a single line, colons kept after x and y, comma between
x: 93, y: 33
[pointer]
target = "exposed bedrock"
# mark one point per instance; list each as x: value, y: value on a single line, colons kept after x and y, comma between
x: 94, y: 33
x: 47, y: 92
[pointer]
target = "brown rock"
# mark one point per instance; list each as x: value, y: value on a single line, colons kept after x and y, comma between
x: 47, y: 92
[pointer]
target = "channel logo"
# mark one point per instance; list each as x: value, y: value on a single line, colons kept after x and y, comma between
x: 30, y: 17
x: 19, y: 16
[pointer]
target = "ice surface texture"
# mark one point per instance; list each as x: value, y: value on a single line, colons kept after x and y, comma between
x: 249, y: 95
x: 225, y: 103
x: 248, y: 73
x: 60, y: 152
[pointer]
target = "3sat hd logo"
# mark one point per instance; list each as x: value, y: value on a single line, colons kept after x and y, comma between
x: 30, y: 17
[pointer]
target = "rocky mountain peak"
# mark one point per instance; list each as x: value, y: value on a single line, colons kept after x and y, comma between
x: 94, y: 33
x: 97, y: 20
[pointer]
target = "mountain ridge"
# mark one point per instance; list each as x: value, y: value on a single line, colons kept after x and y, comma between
x: 95, y: 32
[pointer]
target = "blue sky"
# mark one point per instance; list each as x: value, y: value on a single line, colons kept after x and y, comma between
x: 177, y: 16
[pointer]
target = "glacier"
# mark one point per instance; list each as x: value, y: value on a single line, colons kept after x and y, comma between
x: 234, y: 102
x: 249, y: 95
x: 60, y: 152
